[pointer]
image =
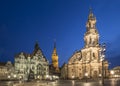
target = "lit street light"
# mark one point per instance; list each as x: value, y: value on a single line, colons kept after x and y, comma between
x: 86, y: 75
x: 100, y: 75
x: 38, y: 77
x: 73, y: 77
x: 112, y: 73
x: 14, y: 76
x: 47, y: 76
x: 9, y: 77
x: 102, y: 58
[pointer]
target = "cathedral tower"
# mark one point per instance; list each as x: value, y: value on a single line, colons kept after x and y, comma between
x: 86, y: 63
x: 91, y: 37
x: 55, y: 58
x: 91, y: 50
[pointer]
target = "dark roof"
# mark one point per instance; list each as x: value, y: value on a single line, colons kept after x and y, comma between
x: 2, y: 63
x: 36, y: 49
x: 63, y: 65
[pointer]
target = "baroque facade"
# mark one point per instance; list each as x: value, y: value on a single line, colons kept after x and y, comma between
x: 31, y: 66
x: 86, y: 63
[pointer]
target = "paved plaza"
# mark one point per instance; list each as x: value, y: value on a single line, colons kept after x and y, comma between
x: 110, y: 82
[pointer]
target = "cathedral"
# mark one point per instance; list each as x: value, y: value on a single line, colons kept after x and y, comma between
x: 31, y: 66
x: 86, y: 63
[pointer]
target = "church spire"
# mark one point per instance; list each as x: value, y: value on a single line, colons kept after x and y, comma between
x: 54, y: 50
x: 91, y: 23
x: 55, y: 58
x: 37, y: 45
x: 37, y: 49
x: 91, y: 36
x: 91, y: 16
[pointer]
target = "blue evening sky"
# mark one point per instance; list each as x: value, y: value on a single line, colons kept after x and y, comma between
x: 23, y: 22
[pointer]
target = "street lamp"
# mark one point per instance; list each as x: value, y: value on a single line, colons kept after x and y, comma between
x: 20, y: 77
x: 47, y: 77
x: 9, y: 77
x: 14, y: 76
x: 86, y: 75
x: 38, y: 77
x: 73, y: 77
x: 100, y: 75
x: 112, y: 73
x: 102, y: 57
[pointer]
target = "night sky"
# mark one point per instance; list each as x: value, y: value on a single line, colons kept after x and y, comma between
x: 23, y: 22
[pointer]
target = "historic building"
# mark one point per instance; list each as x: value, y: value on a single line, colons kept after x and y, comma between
x: 54, y: 67
x: 86, y: 63
x: 3, y: 71
x: 64, y: 71
x: 6, y: 71
x: 31, y: 66
x: 115, y: 72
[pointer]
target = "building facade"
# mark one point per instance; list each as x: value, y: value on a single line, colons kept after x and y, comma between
x: 31, y: 66
x: 86, y: 63
x: 6, y: 71
x: 3, y: 71
x: 64, y: 71
x: 115, y: 72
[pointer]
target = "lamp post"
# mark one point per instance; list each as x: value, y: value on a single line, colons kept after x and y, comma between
x: 14, y: 76
x: 86, y: 75
x: 102, y: 57
x: 47, y: 77
x: 112, y: 73
x: 9, y: 76
x: 73, y: 76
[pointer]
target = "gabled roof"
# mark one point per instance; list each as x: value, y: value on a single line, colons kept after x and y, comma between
x: 35, y: 51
